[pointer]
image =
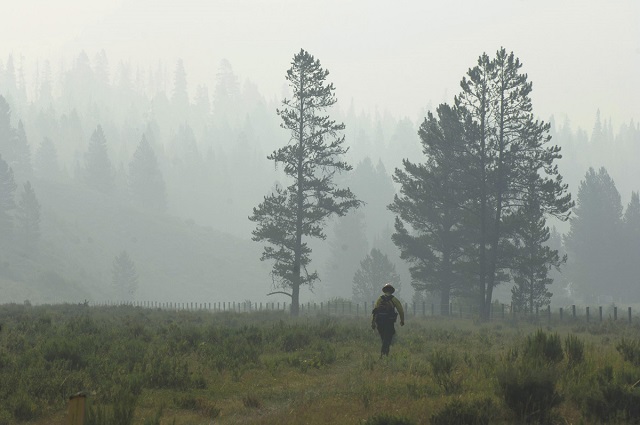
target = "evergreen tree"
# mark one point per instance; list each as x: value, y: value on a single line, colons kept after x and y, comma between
x: 7, y: 133
x: 46, y: 161
x: 375, y: 188
x: 145, y: 178
x: 593, y: 240
x: 375, y: 271
x: 124, y: 276
x: 532, y: 257
x: 508, y: 145
x: 22, y: 154
x: 348, y: 246
x: 631, y: 248
x: 429, y: 221
x: 310, y: 160
x: 7, y: 203
x: 28, y: 218
x: 98, y: 171
x: 180, y: 96
x: 226, y: 96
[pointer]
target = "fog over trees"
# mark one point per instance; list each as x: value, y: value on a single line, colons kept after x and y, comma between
x: 122, y: 183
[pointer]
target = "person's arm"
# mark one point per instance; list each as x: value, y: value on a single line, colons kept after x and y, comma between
x: 373, y: 316
x: 398, y: 305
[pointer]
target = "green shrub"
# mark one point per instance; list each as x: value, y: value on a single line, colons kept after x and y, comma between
x: 65, y: 349
x: 295, y: 339
x: 251, y: 402
x: 120, y: 413
x: 528, y: 389
x: 162, y: 370
x: 325, y: 354
x: 386, y: 419
x: 543, y: 347
x: 630, y: 350
x: 458, y: 411
x: 612, y: 401
x: 22, y: 407
x: 444, y: 364
x: 574, y: 350
x: 6, y: 418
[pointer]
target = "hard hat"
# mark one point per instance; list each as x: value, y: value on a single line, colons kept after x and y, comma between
x: 388, y: 288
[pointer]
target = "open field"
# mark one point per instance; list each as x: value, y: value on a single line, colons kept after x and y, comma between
x: 146, y: 366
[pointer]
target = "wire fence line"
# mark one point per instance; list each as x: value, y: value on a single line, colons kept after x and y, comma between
x: 423, y: 309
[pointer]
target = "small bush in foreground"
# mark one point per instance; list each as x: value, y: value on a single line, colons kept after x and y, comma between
x: 476, y: 412
x: 443, y: 365
x: 574, y: 349
x: 543, y: 347
x: 385, y: 419
x: 630, y: 351
x: 529, y: 391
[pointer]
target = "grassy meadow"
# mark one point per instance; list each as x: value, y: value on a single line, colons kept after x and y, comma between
x: 149, y: 366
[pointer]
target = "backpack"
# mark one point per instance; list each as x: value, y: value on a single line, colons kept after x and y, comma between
x: 385, y: 312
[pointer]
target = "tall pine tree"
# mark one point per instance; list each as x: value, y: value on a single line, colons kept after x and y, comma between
x: 508, y: 145
x: 146, y: 183
x: 98, y: 171
x: 593, y: 240
x: 124, y: 276
x: 430, y: 214
x: 311, y: 159
x: 28, y: 218
x: 7, y: 204
x: 375, y: 271
x: 532, y: 257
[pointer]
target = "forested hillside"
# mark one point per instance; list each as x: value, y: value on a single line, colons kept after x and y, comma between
x: 125, y: 159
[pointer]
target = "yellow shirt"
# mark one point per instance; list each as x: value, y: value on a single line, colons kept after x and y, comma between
x: 396, y: 302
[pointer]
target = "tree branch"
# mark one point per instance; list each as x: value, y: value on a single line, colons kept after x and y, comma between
x: 279, y: 292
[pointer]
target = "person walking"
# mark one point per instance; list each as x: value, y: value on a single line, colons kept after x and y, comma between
x: 383, y: 317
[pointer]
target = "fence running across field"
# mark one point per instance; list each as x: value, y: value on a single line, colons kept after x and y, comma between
x: 347, y: 308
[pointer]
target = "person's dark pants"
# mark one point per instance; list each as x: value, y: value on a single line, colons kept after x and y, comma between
x: 386, y: 331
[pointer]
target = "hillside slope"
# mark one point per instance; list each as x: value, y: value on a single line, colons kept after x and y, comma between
x: 176, y: 260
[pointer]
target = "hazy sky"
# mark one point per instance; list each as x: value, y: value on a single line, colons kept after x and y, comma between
x: 397, y: 55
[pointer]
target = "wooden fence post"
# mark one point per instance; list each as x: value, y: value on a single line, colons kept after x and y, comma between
x: 77, y: 408
x: 561, y: 314
x: 573, y: 310
x: 587, y: 314
x: 600, y: 312
x: 629, y: 314
x: 615, y: 312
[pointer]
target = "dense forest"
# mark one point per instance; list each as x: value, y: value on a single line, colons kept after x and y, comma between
x: 121, y: 183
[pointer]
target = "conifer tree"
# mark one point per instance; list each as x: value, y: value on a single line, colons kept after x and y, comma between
x: 124, y: 276
x: 348, y: 246
x: 593, y: 240
x: 46, y: 160
x: 99, y: 173
x: 311, y: 159
x: 7, y: 203
x: 631, y: 248
x: 180, y: 96
x: 429, y: 227
x: 22, y: 154
x: 532, y: 257
x: 145, y: 178
x: 28, y: 218
x: 375, y: 271
x: 7, y: 132
x: 496, y: 97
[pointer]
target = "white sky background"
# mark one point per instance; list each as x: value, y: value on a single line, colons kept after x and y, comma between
x: 581, y: 55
